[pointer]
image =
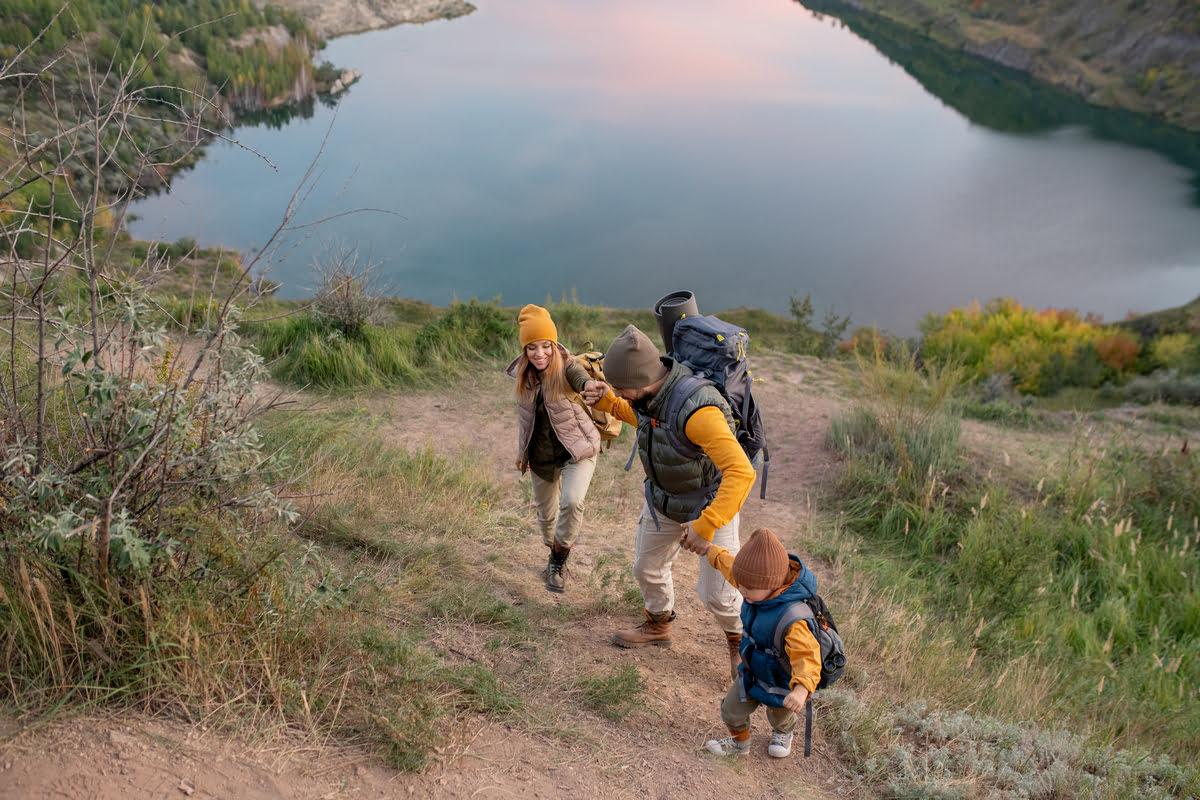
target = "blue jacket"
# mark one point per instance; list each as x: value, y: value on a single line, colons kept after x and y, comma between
x: 766, y: 674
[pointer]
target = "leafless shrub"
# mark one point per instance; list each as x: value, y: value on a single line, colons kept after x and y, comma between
x: 349, y: 294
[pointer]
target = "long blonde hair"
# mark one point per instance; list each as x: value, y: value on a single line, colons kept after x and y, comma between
x: 552, y: 380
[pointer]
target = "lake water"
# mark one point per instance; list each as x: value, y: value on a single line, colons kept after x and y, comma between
x: 748, y: 150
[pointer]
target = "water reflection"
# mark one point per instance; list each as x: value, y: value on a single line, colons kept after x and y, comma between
x: 743, y: 149
x: 280, y: 117
x: 1006, y: 100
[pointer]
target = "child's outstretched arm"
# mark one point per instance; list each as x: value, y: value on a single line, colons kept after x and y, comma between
x: 721, y: 560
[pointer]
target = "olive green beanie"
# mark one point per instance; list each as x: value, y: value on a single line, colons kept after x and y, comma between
x: 632, y: 361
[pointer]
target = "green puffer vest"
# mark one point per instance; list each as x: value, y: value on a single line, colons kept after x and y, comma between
x: 677, y: 483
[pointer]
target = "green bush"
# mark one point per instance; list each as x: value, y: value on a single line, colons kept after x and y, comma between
x: 1176, y: 351
x: 310, y: 351
x: 576, y: 323
x: 1164, y: 386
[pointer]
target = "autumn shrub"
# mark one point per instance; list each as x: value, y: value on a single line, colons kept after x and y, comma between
x: 1118, y: 350
x: 1042, y: 351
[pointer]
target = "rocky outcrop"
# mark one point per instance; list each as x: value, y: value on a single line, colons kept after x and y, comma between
x: 1003, y: 51
x: 331, y: 18
x: 344, y: 80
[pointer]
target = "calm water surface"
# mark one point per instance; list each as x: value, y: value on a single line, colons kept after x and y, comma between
x: 745, y: 149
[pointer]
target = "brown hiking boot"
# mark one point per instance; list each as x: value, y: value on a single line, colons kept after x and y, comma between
x: 656, y: 630
x: 733, y: 641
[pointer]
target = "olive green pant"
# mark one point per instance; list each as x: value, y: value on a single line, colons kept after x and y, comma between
x: 736, y: 712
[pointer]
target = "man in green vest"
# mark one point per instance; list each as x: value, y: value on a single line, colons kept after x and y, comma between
x: 696, y: 497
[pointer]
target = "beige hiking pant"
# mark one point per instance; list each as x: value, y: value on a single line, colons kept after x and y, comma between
x: 655, y: 552
x: 559, y: 502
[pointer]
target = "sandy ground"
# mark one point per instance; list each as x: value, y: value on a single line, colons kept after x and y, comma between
x: 654, y: 752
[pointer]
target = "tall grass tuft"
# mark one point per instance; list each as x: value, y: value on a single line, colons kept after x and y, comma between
x: 616, y: 693
x: 577, y: 323
x: 1079, y: 586
x: 311, y: 350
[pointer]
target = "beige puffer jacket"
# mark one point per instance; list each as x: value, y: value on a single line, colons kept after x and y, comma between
x: 571, y: 424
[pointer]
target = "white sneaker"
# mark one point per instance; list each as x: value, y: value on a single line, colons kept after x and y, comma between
x: 728, y: 747
x: 780, y: 746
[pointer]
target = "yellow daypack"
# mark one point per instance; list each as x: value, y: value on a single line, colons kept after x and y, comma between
x: 592, y: 362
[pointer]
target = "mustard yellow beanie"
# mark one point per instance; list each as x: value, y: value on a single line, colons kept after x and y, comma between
x: 762, y: 563
x: 535, y: 324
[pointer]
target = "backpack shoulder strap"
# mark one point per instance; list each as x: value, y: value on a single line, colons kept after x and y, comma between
x: 798, y: 610
x: 683, y: 389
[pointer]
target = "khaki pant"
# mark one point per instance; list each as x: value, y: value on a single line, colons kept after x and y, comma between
x: 655, y: 552
x: 559, y: 502
x: 736, y: 712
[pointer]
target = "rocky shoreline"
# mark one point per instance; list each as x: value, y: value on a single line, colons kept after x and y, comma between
x: 332, y: 18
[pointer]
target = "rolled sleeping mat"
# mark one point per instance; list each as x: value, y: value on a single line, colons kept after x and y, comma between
x: 670, y: 309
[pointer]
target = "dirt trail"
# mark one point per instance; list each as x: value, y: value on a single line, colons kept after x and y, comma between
x: 653, y: 752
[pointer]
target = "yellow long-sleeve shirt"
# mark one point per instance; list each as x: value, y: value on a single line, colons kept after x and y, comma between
x: 708, y: 430
x: 801, y: 647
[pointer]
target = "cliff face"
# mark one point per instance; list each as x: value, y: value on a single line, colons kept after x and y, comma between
x: 1141, y: 55
x: 330, y: 18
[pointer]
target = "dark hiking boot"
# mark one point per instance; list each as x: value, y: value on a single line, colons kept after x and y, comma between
x: 556, y: 579
x: 656, y: 631
x: 733, y: 641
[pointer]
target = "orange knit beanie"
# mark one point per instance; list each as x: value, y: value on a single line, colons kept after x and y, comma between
x: 535, y: 324
x: 762, y: 563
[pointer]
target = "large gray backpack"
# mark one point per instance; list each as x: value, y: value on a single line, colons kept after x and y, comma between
x: 715, y: 351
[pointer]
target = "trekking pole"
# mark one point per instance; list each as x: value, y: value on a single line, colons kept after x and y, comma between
x: 808, y: 727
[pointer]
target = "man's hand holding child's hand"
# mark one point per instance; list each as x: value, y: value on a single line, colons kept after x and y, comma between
x: 794, y: 701
x: 693, y: 542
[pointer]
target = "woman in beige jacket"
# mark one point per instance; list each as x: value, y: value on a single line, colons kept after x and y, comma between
x: 557, y: 440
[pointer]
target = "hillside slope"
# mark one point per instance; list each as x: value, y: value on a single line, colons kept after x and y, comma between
x: 557, y: 747
x: 1142, y: 56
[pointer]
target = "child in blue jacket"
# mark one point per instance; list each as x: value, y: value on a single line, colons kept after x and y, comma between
x: 770, y: 580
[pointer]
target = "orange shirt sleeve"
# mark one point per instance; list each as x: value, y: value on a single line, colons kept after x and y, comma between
x: 720, y: 559
x: 709, y: 431
x: 619, y: 408
x: 804, y: 653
